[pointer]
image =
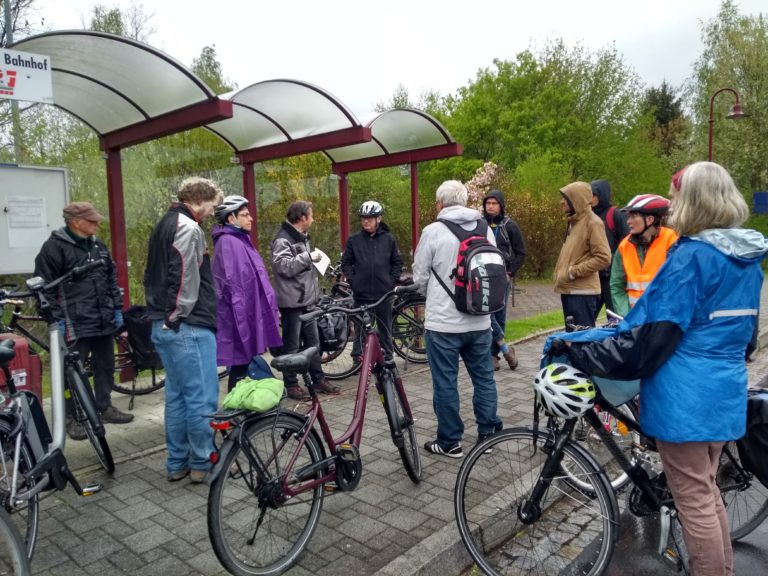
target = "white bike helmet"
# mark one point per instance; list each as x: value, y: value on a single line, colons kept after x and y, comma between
x: 229, y: 205
x: 564, y: 391
x: 370, y: 209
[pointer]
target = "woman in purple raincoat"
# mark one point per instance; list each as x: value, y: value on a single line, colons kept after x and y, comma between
x: 247, y: 320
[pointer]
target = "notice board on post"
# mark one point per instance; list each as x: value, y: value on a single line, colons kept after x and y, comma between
x: 31, y: 201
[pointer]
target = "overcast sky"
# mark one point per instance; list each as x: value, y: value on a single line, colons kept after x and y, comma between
x: 360, y: 50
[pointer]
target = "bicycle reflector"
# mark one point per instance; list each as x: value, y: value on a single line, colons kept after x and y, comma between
x: 214, y: 457
x: 220, y: 425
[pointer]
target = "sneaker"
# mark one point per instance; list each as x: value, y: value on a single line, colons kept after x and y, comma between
x: 75, y: 430
x: 197, y: 476
x: 481, y: 437
x: 325, y: 387
x: 496, y: 365
x: 296, y: 393
x: 511, y: 358
x: 178, y: 475
x: 454, y: 451
x: 112, y: 415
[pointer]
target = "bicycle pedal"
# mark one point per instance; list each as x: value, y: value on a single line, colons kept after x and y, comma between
x: 671, y: 556
x: 330, y: 487
x: 91, y: 489
x: 348, y: 453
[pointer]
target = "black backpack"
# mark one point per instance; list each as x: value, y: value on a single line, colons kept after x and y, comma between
x: 139, y: 328
x: 332, y: 327
x: 480, y: 275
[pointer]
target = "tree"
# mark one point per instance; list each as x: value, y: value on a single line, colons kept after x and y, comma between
x: 735, y: 56
x: 209, y: 70
x: 133, y: 22
x: 670, y: 127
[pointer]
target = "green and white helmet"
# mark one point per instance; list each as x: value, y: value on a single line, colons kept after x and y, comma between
x: 564, y: 391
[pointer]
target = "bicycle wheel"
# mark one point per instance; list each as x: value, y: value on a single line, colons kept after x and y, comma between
x: 339, y: 364
x: 140, y: 384
x: 402, y: 427
x: 85, y: 412
x: 13, y: 557
x: 570, y: 532
x: 621, y: 434
x: 408, y: 330
x: 744, y: 496
x: 254, y: 528
x: 25, y: 515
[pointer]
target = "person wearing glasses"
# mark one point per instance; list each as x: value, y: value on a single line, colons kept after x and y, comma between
x: 247, y: 318
x: 93, y: 303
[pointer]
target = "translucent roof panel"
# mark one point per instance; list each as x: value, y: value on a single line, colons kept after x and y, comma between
x: 276, y: 111
x: 93, y: 71
x: 394, y: 131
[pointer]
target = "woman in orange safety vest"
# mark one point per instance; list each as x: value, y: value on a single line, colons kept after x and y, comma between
x: 641, y: 254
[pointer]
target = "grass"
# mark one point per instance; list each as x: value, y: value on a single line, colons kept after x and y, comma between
x: 517, y: 329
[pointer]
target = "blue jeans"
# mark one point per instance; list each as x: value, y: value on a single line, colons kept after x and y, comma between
x: 443, y: 352
x: 191, y: 393
x: 499, y: 323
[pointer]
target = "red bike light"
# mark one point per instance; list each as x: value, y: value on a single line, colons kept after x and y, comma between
x: 220, y: 424
x: 214, y: 457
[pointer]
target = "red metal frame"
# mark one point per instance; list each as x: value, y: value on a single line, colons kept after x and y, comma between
x: 415, y: 230
x: 317, y: 143
x: 398, y: 158
x: 343, y: 209
x: 117, y: 221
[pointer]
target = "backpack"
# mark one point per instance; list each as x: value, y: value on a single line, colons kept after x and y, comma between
x: 610, y: 219
x: 753, y: 447
x: 480, y: 274
x: 333, y: 332
x: 139, y: 328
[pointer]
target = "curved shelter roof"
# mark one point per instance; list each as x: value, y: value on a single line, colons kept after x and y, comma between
x: 398, y: 136
x: 114, y: 85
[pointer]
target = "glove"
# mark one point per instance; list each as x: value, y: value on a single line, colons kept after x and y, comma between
x: 315, y: 256
x: 118, y: 319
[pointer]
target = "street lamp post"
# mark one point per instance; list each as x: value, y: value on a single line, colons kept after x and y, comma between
x: 735, y: 113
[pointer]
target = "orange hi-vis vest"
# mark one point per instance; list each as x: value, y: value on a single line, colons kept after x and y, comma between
x: 639, y: 276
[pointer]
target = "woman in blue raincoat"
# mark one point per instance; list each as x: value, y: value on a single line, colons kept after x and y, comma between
x: 686, y: 339
x: 247, y: 319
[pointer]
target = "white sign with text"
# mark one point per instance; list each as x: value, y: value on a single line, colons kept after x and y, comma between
x: 25, y: 76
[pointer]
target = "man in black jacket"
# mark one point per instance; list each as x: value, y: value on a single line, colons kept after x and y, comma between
x: 181, y: 301
x: 93, y: 303
x: 372, y: 264
x: 509, y: 240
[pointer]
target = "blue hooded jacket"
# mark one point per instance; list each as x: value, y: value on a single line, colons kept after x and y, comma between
x: 686, y: 336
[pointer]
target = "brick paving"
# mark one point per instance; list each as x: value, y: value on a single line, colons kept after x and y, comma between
x: 142, y: 524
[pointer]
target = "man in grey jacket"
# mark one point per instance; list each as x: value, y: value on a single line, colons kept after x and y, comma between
x: 451, y: 334
x: 297, y: 292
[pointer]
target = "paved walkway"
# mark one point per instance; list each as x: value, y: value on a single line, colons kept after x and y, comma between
x: 141, y: 524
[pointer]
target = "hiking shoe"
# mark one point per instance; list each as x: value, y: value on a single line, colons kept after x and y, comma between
x: 296, y: 393
x: 325, y: 387
x: 112, y: 415
x: 454, y: 451
x: 75, y: 430
x: 178, y: 475
x: 197, y: 476
x: 481, y: 437
x: 511, y: 358
x: 496, y: 365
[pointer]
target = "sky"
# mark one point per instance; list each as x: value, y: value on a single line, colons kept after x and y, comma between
x: 361, y: 50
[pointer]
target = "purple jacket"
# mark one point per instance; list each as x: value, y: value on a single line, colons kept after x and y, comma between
x: 247, y: 320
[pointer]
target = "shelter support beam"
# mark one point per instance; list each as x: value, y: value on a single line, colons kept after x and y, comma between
x: 343, y: 209
x: 414, y: 207
x: 117, y: 221
x: 249, y: 191
x: 316, y: 143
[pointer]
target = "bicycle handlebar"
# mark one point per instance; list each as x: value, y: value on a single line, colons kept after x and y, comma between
x: 36, y: 284
x: 308, y: 316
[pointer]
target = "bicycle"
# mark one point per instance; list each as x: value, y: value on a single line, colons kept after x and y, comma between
x: 273, y: 469
x: 31, y: 455
x: 13, y: 556
x: 540, y: 503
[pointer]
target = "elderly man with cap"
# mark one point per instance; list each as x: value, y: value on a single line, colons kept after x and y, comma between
x: 93, y: 303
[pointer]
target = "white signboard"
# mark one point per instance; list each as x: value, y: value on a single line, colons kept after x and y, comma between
x: 25, y: 76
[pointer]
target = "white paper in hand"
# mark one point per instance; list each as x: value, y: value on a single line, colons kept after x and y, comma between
x: 322, y: 264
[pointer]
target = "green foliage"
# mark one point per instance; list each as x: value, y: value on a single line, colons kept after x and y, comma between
x: 524, y: 327
x: 209, y: 70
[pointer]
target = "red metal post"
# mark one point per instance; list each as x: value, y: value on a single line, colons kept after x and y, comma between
x: 117, y: 221
x: 249, y: 191
x: 343, y: 209
x: 414, y: 206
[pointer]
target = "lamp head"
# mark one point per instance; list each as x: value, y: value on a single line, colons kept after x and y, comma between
x: 736, y: 112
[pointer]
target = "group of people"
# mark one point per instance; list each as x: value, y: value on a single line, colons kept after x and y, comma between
x: 689, y: 294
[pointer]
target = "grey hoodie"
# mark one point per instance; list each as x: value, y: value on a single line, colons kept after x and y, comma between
x: 438, y: 249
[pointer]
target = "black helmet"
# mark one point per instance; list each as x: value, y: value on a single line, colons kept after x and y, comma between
x: 230, y: 205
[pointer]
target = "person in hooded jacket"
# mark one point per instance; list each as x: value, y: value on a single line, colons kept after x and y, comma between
x: 93, y: 303
x: 685, y: 339
x: 372, y: 264
x: 616, y: 229
x: 247, y: 318
x: 584, y: 253
x: 509, y: 241
x: 451, y: 334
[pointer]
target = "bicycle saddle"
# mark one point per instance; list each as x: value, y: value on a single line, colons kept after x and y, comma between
x: 6, y: 351
x: 298, y: 362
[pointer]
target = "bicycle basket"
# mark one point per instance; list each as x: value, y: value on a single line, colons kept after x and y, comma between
x: 333, y: 331
x: 139, y: 328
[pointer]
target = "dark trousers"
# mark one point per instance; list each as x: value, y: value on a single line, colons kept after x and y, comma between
x: 298, y: 335
x: 580, y: 307
x: 383, y: 315
x: 605, y: 294
x: 101, y: 350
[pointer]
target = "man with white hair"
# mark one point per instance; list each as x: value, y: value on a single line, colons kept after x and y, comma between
x: 451, y: 334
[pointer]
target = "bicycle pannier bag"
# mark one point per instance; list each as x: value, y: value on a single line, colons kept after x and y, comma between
x: 139, y: 328
x: 480, y: 275
x: 332, y: 328
x: 753, y: 447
